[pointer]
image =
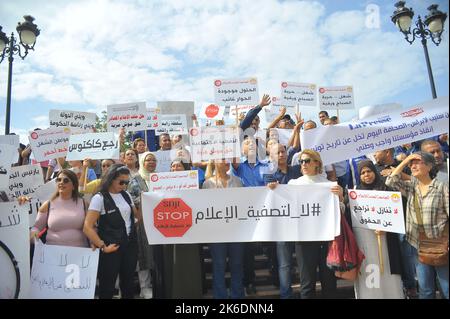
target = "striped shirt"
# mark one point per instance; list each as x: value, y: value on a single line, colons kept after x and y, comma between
x: 434, y: 206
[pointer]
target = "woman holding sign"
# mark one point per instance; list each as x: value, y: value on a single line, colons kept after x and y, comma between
x: 426, y: 220
x: 372, y: 283
x: 114, y: 212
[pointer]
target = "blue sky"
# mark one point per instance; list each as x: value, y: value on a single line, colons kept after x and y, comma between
x: 99, y: 52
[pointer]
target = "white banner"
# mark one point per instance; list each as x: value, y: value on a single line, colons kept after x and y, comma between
x: 377, y: 210
x: 24, y: 180
x: 304, y: 94
x: 77, y: 121
x: 212, y: 112
x: 50, y: 143
x: 239, y: 109
x: 13, y: 140
x: 284, y: 134
x: 178, y: 107
x: 131, y: 116
x: 41, y: 194
x: 214, y: 142
x: 336, y: 98
x: 170, y: 181
x: 236, y: 92
x: 63, y: 272
x: 152, y: 118
x: 172, y: 124
x: 94, y: 146
x: 339, y: 142
x: 14, y: 251
x: 7, y: 152
x: 288, y: 213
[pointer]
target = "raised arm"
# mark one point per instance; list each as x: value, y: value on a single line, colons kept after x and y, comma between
x: 278, y: 118
x: 247, y: 121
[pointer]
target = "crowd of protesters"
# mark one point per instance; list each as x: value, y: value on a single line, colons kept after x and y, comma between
x: 75, y: 214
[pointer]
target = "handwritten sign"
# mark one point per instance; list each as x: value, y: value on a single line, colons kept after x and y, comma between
x: 7, y: 152
x: 78, y: 122
x: 130, y: 116
x: 172, y: 124
x: 212, y: 112
x: 152, y: 118
x: 14, y: 251
x: 163, y: 160
x: 346, y: 140
x: 377, y: 210
x: 93, y: 146
x: 239, y: 109
x: 293, y: 94
x: 50, y: 143
x: 236, y: 92
x: 214, y: 143
x: 336, y: 98
x: 160, y: 182
x: 24, y: 180
x: 288, y: 213
x: 63, y: 272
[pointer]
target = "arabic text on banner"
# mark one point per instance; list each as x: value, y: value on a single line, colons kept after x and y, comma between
x: 93, y: 146
x: 336, y: 98
x: 76, y: 121
x: 169, y: 181
x: 288, y: 213
x: 236, y: 92
x: 346, y: 140
x: 130, y: 116
x: 304, y: 94
x: 50, y: 143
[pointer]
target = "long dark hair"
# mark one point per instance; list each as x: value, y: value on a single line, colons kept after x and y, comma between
x: 74, y: 179
x: 111, y: 174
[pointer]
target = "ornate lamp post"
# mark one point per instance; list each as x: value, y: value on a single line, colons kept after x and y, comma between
x: 431, y: 28
x: 28, y: 32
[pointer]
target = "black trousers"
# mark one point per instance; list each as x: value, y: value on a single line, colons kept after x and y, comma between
x: 123, y: 263
x: 311, y: 255
x: 249, y: 263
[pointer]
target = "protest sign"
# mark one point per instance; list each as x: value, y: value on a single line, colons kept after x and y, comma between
x: 163, y: 161
x: 214, y: 142
x: 14, y: 251
x: 339, y: 142
x: 169, y: 181
x: 77, y: 121
x: 336, y: 98
x: 50, y: 143
x: 152, y: 118
x: 12, y: 140
x: 23, y: 180
x: 293, y: 94
x: 7, y: 152
x: 130, y: 116
x: 377, y: 210
x: 63, y: 272
x: 172, y: 124
x: 178, y: 107
x: 236, y: 92
x: 93, y: 146
x: 212, y: 112
x: 288, y: 213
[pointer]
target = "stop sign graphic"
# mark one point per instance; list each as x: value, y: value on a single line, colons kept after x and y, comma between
x: 172, y: 217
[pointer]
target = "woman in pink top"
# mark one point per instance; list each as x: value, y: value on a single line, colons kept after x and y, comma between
x: 64, y: 214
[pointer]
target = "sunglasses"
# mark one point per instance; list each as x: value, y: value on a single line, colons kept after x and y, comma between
x: 123, y: 182
x: 65, y: 180
x: 305, y: 161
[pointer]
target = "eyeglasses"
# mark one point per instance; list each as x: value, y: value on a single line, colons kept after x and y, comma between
x: 305, y: 161
x: 124, y: 182
x: 65, y: 180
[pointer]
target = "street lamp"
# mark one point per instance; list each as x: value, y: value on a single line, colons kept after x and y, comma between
x: 402, y: 17
x: 28, y: 32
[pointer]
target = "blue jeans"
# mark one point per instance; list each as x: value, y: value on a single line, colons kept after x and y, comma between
x: 284, y: 255
x: 426, y: 275
x: 219, y: 260
x: 409, y: 260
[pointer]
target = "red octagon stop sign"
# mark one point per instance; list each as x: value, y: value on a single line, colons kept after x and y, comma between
x: 172, y: 217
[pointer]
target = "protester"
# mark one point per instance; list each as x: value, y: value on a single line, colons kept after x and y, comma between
x: 139, y: 145
x: 63, y: 215
x: 323, y: 115
x: 311, y: 255
x: 165, y: 143
x: 92, y: 187
x: 434, y: 148
x: 132, y: 161
x: 217, y: 177
x: 114, y: 211
x: 427, y: 212
x: 389, y: 283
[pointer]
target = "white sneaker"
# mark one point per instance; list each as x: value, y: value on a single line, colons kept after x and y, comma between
x: 146, y: 293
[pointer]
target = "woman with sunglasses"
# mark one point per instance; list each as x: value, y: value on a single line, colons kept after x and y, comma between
x: 311, y: 255
x: 147, y: 165
x: 427, y: 211
x: 63, y: 215
x: 114, y: 212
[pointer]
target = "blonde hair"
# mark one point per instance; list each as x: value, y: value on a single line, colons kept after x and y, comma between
x: 315, y: 156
